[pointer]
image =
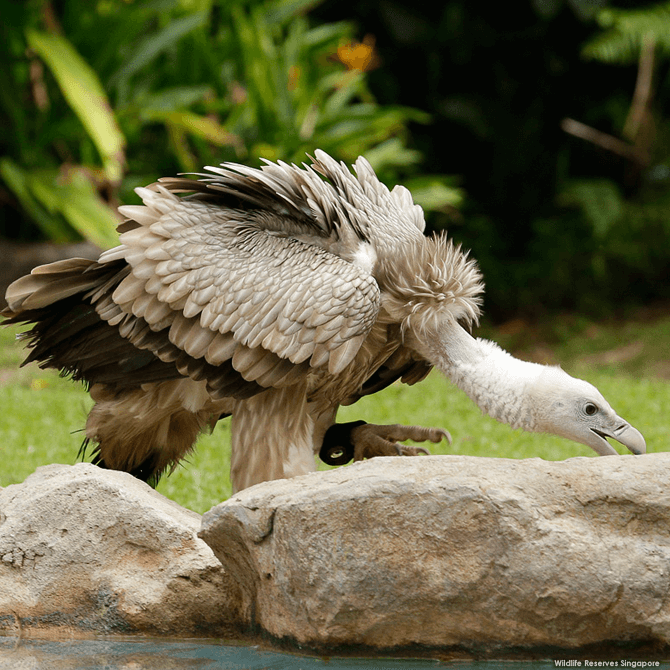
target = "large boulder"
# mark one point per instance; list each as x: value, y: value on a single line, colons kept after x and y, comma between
x: 453, y: 551
x: 90, y: 550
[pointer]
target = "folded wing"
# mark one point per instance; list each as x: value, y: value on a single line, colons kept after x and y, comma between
x: 221, y: 287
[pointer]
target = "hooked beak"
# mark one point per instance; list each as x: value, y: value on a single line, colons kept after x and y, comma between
x: 630, y: 437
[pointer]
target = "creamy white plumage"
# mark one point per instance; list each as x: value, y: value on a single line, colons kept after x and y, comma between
x: 277, y: 295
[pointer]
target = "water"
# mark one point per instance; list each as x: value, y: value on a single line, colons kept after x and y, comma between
x: 196, y: 655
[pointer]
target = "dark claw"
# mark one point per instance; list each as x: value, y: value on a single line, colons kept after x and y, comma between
x: 414, y: 451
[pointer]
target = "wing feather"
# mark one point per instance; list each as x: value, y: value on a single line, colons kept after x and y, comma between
x: 228, y: 290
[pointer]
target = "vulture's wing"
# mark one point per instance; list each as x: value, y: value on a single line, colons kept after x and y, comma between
x: 403, y: 364
x: 215, y: 284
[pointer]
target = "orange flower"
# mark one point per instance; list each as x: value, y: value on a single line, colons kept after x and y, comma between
x: 359, y: 55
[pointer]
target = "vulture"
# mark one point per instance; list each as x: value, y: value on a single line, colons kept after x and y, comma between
x: 274, y: 295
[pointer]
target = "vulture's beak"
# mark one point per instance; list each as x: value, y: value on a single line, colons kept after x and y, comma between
x: 619, y: 430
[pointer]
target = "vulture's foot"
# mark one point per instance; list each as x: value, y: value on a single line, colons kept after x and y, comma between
x: 359, y: 440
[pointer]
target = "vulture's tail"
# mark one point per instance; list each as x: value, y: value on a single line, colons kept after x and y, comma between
x: 144, y: 419
x: 63, y: 301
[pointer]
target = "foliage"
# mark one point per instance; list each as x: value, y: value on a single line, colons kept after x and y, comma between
x: 172, y: 85
x: 555, y: 221
x: 625, y: 32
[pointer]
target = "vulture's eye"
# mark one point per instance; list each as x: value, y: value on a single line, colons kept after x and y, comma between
x: 590, y: 408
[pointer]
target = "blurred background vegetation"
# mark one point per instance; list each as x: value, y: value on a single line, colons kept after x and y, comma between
x: 539, y: 137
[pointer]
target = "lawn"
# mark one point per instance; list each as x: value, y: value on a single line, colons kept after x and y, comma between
x: 43, y: 414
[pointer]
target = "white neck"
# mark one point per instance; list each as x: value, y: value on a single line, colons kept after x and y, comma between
x: 494, y: 380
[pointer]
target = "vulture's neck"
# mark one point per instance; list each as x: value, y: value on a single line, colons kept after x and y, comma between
x: 501, y: 385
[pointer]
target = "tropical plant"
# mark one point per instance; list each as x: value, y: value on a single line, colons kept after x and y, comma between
x: 103, y: 96
x: 628, y: 217
x: 625, y: 32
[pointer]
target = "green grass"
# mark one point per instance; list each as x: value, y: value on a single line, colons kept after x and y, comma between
x: 42, y: 412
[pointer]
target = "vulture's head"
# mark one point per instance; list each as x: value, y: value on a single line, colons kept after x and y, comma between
x: 533, y: 397
x: 575, y: 409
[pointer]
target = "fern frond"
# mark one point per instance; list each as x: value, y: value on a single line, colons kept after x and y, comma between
x: 625, y: 33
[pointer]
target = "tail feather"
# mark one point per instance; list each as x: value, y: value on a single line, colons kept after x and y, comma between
x: 47, y: 284
x: 148, y: 470
x: 149, y: 407
x: 68, y: 334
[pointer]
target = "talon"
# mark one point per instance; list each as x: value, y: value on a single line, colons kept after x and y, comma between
x: 413, y: 451
x: 360, y: 440
x: 443, y: 434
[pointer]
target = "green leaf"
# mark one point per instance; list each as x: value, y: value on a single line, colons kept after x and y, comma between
x: 348, y: 88
x: 87, y: 213
x: 200, y: 126
x: 179, y: 142
x: 613, y: 47
x: 599, y: 199
x: 153, y: 45
x: 54, y: 199
x: 84, y: 93
x: 329, y: 33
x: 196, y: 5
x: 18, y: 182
x: 259, y: 57
x: 280, y: 11
x: 172, y: 99
x: 392, y: 153
x: 74, y: 197
x: 625, y: 32
x: 435, y: 193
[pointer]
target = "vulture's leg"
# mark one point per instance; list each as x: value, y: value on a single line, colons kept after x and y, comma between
x: 359, y: 440
x: 271, y: 437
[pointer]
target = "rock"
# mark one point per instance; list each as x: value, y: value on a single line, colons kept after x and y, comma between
x: 99, y: 551
x: 455, y: 551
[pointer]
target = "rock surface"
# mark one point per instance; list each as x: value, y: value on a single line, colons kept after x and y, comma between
x: 455, y: 551
x: 91, y: 550
x: 447, y: 552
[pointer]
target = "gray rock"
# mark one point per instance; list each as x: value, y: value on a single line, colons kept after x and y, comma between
x: 453, y: 550
x: 92, y: 550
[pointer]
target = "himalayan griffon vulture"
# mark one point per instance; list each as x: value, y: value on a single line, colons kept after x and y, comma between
x: 275, y: 295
